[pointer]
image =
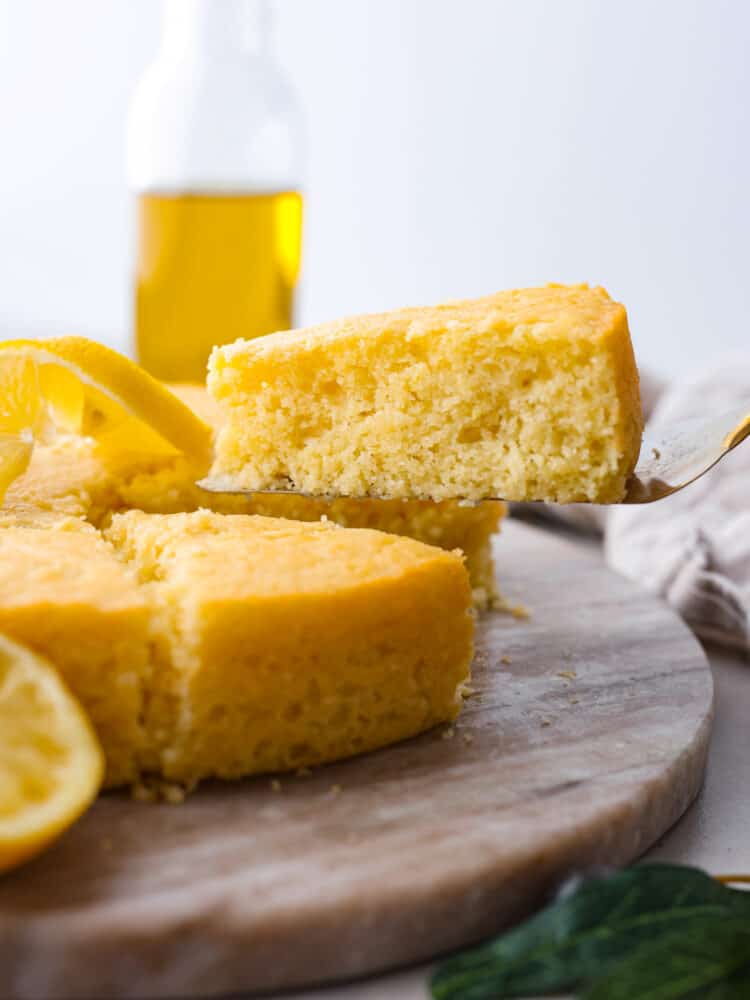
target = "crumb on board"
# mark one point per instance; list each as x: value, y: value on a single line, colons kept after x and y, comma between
x: 506, y: 660
x: 569, y: 675
x: 158, y: 790
x: 173, y: 794
x: 448, y: 733
x: 467, y: 691
x: 275, y: 785
x: 656, y: 453
x: 467, y: 737
x: 573, y: 701
x: 335, y: 790
x: 142, y: 792
x: 517, y: 610
x: 546, y: 722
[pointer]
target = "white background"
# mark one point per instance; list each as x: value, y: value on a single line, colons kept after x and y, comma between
x: 455, y: 147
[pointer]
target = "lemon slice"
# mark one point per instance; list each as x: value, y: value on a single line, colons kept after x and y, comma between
x: 51, y: 765
x: 21, y: 417
x: 92, y: 390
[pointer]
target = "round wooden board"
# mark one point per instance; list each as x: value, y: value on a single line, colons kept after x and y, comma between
x: 585, y: 741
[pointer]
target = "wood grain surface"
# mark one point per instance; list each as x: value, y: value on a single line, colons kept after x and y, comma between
x: 585, y: 741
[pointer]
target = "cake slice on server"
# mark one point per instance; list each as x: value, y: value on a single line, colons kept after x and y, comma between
x: 524, y: 395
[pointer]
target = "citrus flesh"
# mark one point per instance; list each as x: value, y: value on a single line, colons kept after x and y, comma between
x: 51, y: 765
x: 21, y: 416
x: 92, y: 390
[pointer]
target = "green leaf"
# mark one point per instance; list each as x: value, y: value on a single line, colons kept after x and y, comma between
x: 708, y: 960
x: 584, y: 935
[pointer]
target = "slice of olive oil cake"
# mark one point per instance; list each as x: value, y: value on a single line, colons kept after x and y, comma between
x: 282, y: 644
x: 525, y: 395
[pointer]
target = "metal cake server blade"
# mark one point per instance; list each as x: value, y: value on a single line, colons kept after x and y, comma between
x: 673, y: 455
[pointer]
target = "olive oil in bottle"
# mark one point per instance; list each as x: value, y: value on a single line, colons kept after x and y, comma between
x: 211, y: 268
x: 213, y: 160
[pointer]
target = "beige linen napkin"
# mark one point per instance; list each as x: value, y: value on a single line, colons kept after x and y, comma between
x: 693, y: 548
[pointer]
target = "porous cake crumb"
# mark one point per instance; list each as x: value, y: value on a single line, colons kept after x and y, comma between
x: 524, y: 395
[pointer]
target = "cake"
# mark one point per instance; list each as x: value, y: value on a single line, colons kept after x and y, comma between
x: 524, y: 395
x: 65, y: 593
x: 66, y: 479
x: 283, y: 644
x: 225, y: 643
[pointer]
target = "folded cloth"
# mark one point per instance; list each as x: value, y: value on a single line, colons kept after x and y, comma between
x: 693, y: 548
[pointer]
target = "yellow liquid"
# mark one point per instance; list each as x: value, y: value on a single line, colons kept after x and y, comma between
x: 210, y: 269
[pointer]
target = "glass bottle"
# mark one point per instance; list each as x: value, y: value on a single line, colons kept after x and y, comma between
x: 214, y: 159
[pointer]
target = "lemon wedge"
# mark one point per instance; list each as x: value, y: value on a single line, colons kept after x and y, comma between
x: 51, y: 765
x: 21, y: 417
x: 92, y: 390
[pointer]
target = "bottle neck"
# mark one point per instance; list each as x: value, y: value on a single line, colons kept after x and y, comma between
x: 196, y: 27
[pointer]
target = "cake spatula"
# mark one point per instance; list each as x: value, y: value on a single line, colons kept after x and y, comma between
x: 673, y: 455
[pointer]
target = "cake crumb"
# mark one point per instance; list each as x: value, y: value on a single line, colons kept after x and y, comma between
x: 545, y: 722
x: 335, y: 790
x: 467, y: 737
x: 173, y: 794
x: 448, y: 733
x: 141, y: 792
x: 155, y: 789
x: 569, y: 675
x: 275, y: 785
x: 506, y: 660
x: 573, y: 701
x: 499, y: 603
x: 656, y: 453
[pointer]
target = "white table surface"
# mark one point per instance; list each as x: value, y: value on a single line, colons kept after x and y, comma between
x: 713, y: 834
